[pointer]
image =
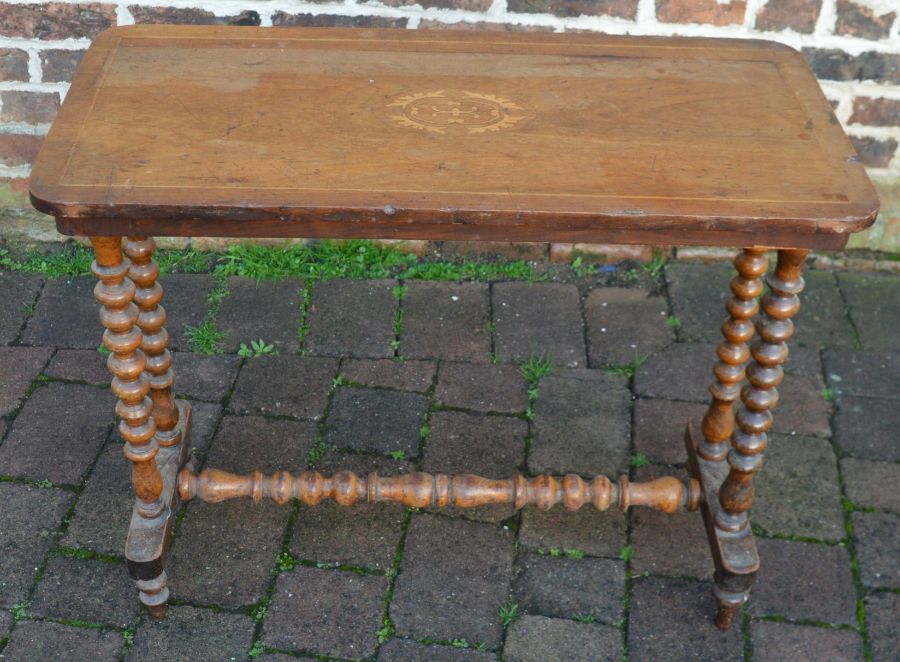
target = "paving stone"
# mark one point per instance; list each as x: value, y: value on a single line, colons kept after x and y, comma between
x: 38, y: 641
x: 284, y: 386
x: 85, y: 590
x: 454, y: 576
x: 682, y: 369
x: 587, y: 530
x: 537, y: 639
x: 802, y: 407
x: 874, y: 303
x: 404, y: 650
x: 188, y: 634
x: 185, y: 300
x: 797, y: 490
x: 103, y: 511
x: 6, y: 621
x: 538, y: 319
x: 872, y: 484
x: 100, y: 520
x: 328, y: 612
x: 66, y: 315
x: 204, y: 377
x: 79, y: 365
x: 488, y: 446
x: 822, y: 320
x: 625, y: 323
x: 652, y: 533
x: 776, y: 642
x: 672, y: 619
x: 581, y: 424
x: 19, y: 292
x: 446, y: 320
x: 240, y: 536
x: 497, y: 388
x: 80, y: 422
x: 881, y: 619
x: 867, y: 428
x: 659, y: 428
x: 18, y: 368
x: 367, y: 419
x: 406, y: 375
x: 869, y: 374
x: 877, y: 537
x: 267, y: 309
x: 566, y: 588
x: 352, y: 318
x: 804, y: 581
x: 803, y: 361
x: 365, y: 535
x: 699, y: 293
x: 27, y: 521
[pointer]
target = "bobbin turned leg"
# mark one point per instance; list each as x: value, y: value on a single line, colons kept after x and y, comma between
x: 155, y: 428
x: 728, y: 486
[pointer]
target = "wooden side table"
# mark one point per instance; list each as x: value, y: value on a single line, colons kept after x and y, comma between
x: 256, y: 132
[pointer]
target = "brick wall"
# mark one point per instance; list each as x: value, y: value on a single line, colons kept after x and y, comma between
x: 852, y: 45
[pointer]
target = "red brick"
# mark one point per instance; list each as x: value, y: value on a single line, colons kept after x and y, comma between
x: 465, y: 5
x: 857, y: 20
x: 59, y: 65
x: 876, y: 112
x: 835, y: 64
x: 56, y: 20
x: 18, y: 150
x: 428, y: 24
x: 281, y: 18
x: 13, y: 64
x: 796, y: 15
x: 701, y: 11
x: 28, y: 107
x: 189, y: 16
x: 874, y: 152
x: 620, y: 8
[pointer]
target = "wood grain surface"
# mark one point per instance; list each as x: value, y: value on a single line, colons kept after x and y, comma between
x: 241, y: 131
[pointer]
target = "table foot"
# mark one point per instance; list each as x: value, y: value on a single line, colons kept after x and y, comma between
x: 734, y: 554
x: 148, y: 540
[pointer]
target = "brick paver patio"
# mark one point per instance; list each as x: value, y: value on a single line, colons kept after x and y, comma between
x: 389, y: 583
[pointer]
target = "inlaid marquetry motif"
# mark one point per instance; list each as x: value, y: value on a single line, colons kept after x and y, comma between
x: 441, y: 111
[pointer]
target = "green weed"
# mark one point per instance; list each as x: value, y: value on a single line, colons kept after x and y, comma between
x: 256, y: 348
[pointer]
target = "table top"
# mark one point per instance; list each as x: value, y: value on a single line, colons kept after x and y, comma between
x: 266, y: 132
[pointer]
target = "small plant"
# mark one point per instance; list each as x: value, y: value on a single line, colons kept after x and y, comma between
x: 673, y: 321
x: 256, y: 348
x: 338, y: 381
x: 44, y: 483
x: 535, y: 367
x: 626, y: 553
x: 398, y: 455
x: 509, y: 612
x: 459, y: 643
x: 204, y: 338
x: 828, y: 394
x: 628, y: 369
x: 286, y: 562
x: 259, y: 611
x: 424, y: 431
x: 555, y: 551
x: 386, y: 631
x: 638, y: 460
x: 128, y: 637
x: 257, y: 649
x: 580, y: 269
x: 573, y: 553
x: 655, y: 266
x: 400, y: 292
x: 20, y: 610
x: 28, y: 308
x: 584, y: 618
x: 103, y: 350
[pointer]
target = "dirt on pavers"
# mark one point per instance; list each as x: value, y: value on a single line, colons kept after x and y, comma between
x: 434, y: 383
